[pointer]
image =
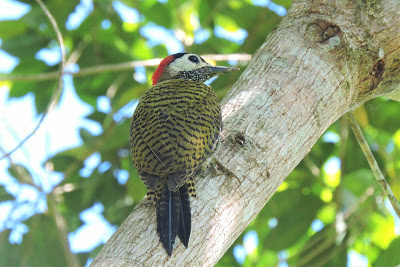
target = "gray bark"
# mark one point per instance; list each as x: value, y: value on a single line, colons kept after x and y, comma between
x: 323, y: 60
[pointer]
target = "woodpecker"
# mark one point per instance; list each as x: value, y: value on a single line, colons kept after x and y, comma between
x: 174, y: 129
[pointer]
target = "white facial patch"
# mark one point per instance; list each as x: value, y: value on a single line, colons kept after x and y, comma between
x: 185, y: 64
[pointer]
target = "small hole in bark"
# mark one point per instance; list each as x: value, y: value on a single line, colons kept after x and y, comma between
x: 378, y: 69
x: 240, y: 138
x: 330, y: 31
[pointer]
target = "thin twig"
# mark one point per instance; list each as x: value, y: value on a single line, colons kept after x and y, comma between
x: 59, y: 86
x: 14, y: 134
x: 113, y: 67
x: 313, y: 168
x: 75, y: 55
x: 344, y: 136
x: 372, y: 163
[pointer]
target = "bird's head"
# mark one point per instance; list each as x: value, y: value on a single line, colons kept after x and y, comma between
x: 187, y: 66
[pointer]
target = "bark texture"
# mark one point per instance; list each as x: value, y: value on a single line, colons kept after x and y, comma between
x: 324, y: 59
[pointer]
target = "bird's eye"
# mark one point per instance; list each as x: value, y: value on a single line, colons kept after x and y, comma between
x: 194, y: 59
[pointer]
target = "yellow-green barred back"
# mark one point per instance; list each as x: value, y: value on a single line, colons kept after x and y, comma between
x: 173, y: 130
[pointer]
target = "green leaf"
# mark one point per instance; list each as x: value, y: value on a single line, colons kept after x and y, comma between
x: 97, y: 116
x: 21, y: 173
x: 295, y: 212
x: 24, y: 46
x: 125, y: 96
x: 86, y: 136
x: 381, y: 230
x: 390, y: 256
x: 204, y: 12
x: 4, y: 195
x: 28, y: 253
x: 323, y: 249
x: 116, y: 139
x: 141, y: 50
x: 158, y: 13
x: 17, y: 26
x: 358, y: 181
x: 66, y: 159
x: 226, y: 22
x: 383, y: 114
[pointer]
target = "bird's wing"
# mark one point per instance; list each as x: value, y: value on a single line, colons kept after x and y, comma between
x: 174, y: 131
x: 195, y: 125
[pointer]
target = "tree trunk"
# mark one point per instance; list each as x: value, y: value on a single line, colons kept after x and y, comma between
x: 323, y: 60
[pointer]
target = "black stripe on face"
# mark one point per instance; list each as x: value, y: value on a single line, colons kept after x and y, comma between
x: 178, y: 55
x: 202, y: 59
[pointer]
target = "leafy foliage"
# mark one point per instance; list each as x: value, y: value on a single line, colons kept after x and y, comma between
x: 346, y: 202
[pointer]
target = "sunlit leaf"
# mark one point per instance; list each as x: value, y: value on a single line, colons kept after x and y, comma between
x: 381, y: 230
x: 391, y: 256
x: 226, y: 22
x: 18, y: 27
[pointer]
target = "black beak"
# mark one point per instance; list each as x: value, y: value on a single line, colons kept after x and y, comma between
x: 218, y: 70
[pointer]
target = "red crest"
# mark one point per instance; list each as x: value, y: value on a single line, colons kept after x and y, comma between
x: 164, y: 63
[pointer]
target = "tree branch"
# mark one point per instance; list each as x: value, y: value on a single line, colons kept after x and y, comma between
x: 372, y: 163
x: 114, y: 67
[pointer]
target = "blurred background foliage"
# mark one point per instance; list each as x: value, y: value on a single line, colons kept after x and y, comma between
x: 329, y: 211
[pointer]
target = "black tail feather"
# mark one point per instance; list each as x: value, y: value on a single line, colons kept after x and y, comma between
x: 168, y: 215
x: 185, y: 216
